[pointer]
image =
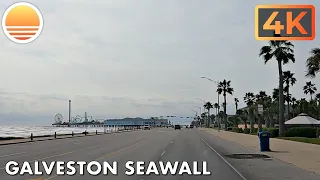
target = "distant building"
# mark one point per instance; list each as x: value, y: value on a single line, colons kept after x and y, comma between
x: 136, y: 122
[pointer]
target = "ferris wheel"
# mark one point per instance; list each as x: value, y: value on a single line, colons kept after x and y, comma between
x: 58, y: 118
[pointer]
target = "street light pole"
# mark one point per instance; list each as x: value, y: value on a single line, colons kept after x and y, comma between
x: 204, y: 102
x: 195, y: 112
x: 216, y: 83
x: 199, y: 109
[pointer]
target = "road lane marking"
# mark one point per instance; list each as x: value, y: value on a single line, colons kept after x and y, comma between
x: 12, y: 154
x: 163, y: 153
x: 58, y: 155
x: 112, y: 153
x: 51, y: 177
x: 104, y: 156
x: 107, y: 155
x: 232, y: 167
x: 66, y: 153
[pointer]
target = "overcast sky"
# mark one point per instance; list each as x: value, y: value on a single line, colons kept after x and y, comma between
x: 140, y: 58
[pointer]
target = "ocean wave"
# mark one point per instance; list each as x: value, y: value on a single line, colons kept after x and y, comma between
x: 25, y: 131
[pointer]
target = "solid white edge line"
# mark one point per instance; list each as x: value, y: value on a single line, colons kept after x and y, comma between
x: 232, y: 167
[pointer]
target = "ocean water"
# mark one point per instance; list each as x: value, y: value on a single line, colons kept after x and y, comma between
x: 25, y: 131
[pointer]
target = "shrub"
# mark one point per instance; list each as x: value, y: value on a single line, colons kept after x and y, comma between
x: 246, y: 131
x: 274, y: 132
x: 229, y: 128
x: 254, y: 131
x: 308, y: 132
x: 237, y: 130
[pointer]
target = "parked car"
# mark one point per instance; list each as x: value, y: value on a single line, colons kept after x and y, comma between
x: 191, y: 126
x: 146, y: 127
x: 177, y: 127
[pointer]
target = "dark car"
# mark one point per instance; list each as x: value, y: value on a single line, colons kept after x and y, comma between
x: 191, y: 126
x: 177, y: 127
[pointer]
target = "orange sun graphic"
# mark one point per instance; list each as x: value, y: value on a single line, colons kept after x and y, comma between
x: 22, y: 22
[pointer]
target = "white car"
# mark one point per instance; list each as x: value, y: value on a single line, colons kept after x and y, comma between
x: 146, y: 127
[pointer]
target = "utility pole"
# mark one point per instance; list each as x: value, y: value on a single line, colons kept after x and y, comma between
x: 69, y: 112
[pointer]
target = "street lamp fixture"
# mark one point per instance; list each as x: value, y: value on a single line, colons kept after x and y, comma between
x: 200, y: 100
x: 216, y: 82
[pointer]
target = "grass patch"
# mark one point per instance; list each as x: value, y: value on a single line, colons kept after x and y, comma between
x: 303, y: 139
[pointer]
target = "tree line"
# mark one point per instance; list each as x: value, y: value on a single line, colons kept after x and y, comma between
x: 279, y: 105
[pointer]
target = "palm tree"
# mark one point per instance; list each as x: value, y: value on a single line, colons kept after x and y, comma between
x: 216, y: 106
x: 269, y: 111
x: 313, y: 63
x: 260, y: 99
x: 318, y: 100
x: 282, y: 52
x: 236, y: 101
x: 294, y: 105
x: 288, y: 98
x: 243, y: 116
x: 224, y: 87
x: 309, y: 88
x: 288, y: 79
x: 203, y: 116
x: 249, y: 100
x: 208, y: 106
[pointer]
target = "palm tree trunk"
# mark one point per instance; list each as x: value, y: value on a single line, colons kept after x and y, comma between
x: 281, y: 100
x: 208, y: 122
x: 251, y: 118
x: 292, y: 109
x: 318, y: 109
x: 225, y: 111
x: 288, y: 103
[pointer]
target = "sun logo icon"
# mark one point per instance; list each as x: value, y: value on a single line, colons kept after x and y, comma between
x: 22, y: 22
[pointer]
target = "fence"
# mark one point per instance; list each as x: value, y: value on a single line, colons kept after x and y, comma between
x: 32, y: 137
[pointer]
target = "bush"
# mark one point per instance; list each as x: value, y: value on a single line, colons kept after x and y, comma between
x: 254, y: 131
x: 237, y: 130
x: 308, y: 132
x: 229, y: 128
x: 246, y: 131
x: 274, y: 132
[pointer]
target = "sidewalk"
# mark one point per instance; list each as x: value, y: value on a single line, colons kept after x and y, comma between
x: 303, y: 155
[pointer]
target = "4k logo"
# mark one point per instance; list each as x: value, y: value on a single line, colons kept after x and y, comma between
x: 292, y: 22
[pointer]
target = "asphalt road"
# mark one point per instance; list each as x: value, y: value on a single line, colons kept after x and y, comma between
x: 163, y: 144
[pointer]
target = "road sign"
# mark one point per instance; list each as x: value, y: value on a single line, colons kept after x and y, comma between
x: 260, y: 108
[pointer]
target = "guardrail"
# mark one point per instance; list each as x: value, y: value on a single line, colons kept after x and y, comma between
x: 32, y: 137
